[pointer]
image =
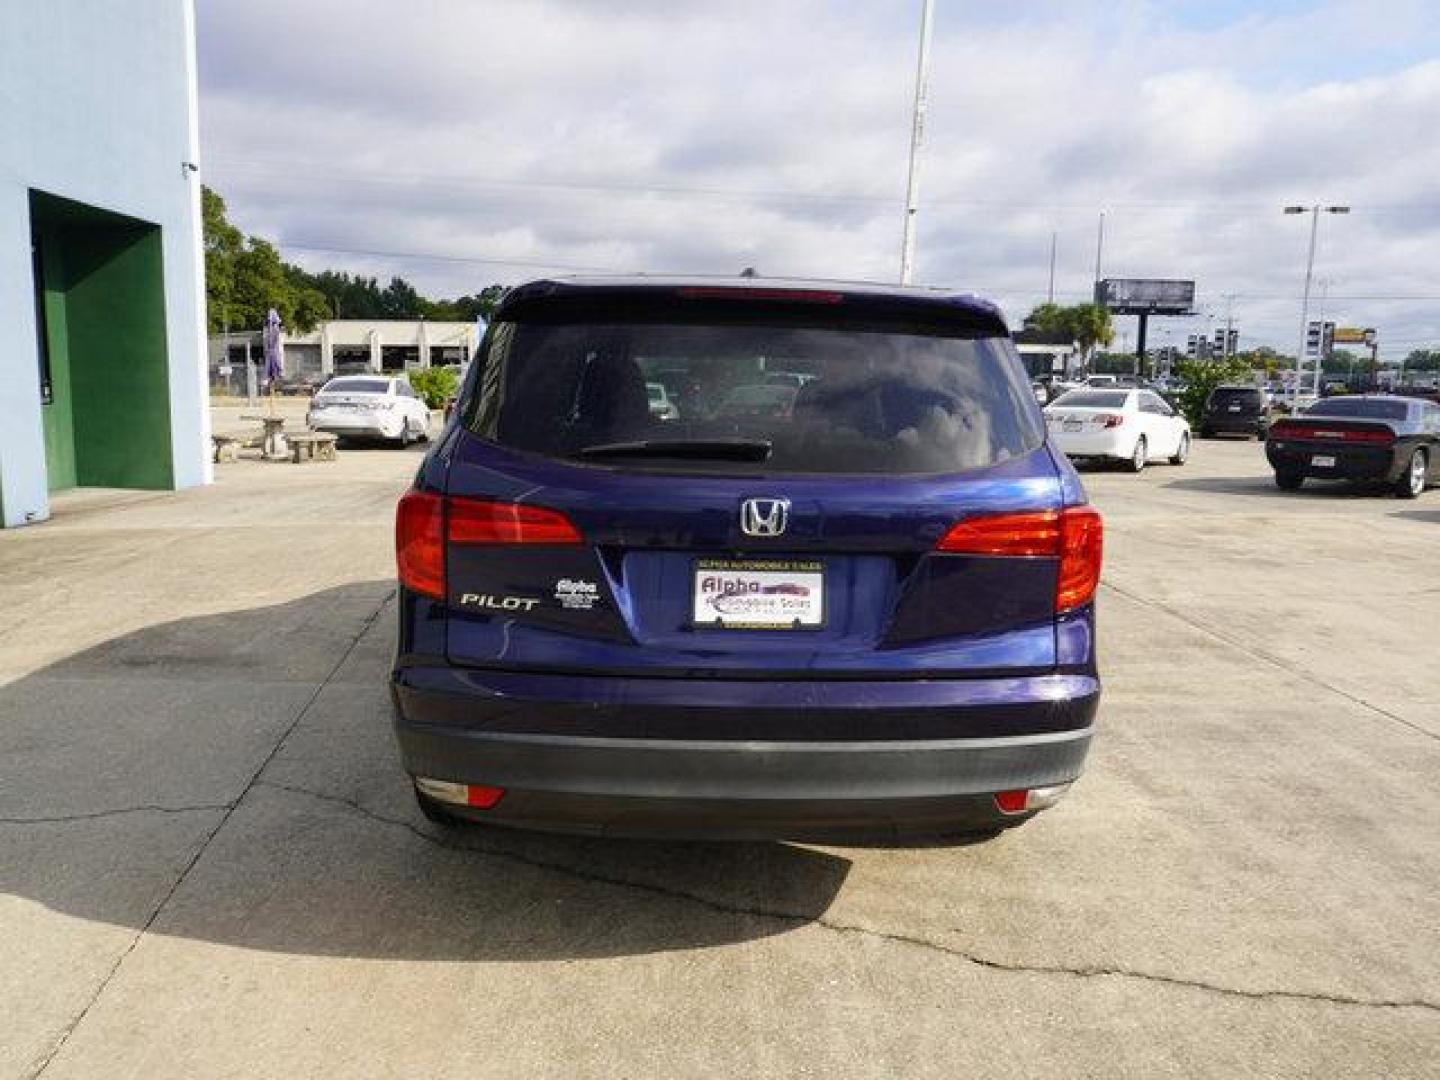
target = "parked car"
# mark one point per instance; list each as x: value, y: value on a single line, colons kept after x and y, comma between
x: 370, y: 406
x: 871, y: 616
x: 1372, y: 437
x: 1130, y: 426
x: 295, y: 386
x: 661, y: 407
x: 1235, y: 410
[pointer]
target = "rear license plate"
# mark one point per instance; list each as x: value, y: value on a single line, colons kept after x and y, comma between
x: 759, y: 594
x: 1323, y: 461
x: 1073, y: 425
x: 1234, y: 408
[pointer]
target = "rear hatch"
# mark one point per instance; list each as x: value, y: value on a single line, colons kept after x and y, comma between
x: 1235, y: 403
x: 589, y: 535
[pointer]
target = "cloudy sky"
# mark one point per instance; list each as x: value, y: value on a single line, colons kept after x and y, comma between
x: 463, y: 142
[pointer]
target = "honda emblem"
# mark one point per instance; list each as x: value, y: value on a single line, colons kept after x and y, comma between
x: 764, y: 517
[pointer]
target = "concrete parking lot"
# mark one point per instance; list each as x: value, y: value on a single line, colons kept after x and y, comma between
x: 210, y: 865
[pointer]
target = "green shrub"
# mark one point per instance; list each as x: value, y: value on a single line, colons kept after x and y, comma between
x: 436, y: 385
x: 1202, y: 376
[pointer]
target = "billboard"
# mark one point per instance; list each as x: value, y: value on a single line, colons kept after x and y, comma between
x: 1352, y: 335
x: 1152, y: 296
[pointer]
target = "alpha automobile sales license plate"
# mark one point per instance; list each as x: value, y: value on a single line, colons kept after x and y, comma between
x: 759, y: 594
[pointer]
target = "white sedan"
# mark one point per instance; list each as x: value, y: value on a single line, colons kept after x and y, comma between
x: 1133, y: 426
x: 370, y: 406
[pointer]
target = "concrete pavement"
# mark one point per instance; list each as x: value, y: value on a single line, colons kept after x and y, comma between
x: 210, y: 864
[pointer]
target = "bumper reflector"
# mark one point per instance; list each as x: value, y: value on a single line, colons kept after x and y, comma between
x: 1024, y: 801
x: 476, y: 796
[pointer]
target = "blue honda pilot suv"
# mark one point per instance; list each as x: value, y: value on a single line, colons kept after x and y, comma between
x: 839, y: 586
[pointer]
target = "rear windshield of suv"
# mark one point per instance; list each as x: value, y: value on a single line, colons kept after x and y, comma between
x: 1237, y: 395
x: 873, y: 400
x: 1372, y: 408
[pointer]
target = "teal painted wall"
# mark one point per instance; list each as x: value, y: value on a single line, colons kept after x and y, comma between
x: 58, y: 416
x: 109, y: 425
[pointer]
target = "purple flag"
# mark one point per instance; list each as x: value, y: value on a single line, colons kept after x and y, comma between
x: 272, y: 346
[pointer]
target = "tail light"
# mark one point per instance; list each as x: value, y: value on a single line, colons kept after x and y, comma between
x: 1297, y: 429
x: 1074, y: 535
x: 420, y: 542
x: 1024, y: 800
x: 471, y: 521
x: 426, y: 522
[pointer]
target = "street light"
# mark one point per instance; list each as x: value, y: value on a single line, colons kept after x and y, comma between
x: 1314, y: 212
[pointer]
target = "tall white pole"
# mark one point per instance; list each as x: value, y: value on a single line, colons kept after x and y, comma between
x: 1099, y: 246
x: 1050, y: 292
x: 1305, y: 310
x: 917, y: 138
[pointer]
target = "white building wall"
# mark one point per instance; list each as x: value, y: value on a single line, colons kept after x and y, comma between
x: 98, y: 105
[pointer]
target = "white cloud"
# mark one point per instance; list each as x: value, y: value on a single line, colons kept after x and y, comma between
x: 706, y: 137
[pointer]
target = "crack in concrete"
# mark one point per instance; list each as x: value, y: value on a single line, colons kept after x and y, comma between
x: 229, y: 810
x: 1255, y: 653
x: 720, y: 906
x: 146, y: 808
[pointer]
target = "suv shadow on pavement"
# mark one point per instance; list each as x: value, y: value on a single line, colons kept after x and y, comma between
x: 1264, y: 486
x: 233, y: 779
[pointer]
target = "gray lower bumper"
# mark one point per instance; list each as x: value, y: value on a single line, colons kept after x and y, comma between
x: 750, y: 789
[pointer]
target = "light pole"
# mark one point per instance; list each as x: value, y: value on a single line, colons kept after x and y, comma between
x: 1314, y: 212
x: 917, y: 138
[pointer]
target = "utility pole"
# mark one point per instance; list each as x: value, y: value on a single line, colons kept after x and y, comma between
x: 1324, y: 284
x: 1050, y: 292
x: 1099, y: 246
x: 917, y: 138
x: 1314, y: 212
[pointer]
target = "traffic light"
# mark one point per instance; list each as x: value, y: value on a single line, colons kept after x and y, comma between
x: 1219, y: 347
x: 1232, y: 345
x: 1313, y: 334
x: 1327, y: 339
x: 1192, y: 346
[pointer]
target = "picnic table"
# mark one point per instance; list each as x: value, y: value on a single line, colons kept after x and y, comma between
x: 312, y: 446
x: 272, y: 443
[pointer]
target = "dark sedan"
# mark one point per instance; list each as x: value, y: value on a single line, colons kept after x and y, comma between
x: 1377, y: 438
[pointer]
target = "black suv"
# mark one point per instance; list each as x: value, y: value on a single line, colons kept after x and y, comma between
x: 1235, y: 410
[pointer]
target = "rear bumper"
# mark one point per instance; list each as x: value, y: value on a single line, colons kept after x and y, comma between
x: 1351, y: 463
x: 1224, y: 424
x: 1105, y: 443
x: 789, y: 785
x: 362, y: 424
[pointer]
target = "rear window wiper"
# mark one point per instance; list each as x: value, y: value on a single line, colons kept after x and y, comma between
x: 697, y: 449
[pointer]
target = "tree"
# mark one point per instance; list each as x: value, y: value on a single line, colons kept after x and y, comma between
x: 1423, y: 360
x: 222, y: 244
x: 245, y: 277
x: 1088, y: 325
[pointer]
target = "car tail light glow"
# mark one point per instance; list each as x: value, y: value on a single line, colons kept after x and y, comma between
x: 1074, y: 535
x: 472, y: 521
x: 420, y: 542
x: 475, y: 796
x: 1025, y: 800
x: 425, y: 522
x: 1299, y: 429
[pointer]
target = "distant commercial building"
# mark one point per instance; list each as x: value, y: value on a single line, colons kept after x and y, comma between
x: 1045, y: 354
x: 344, y: 347
x: 102, y: 339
